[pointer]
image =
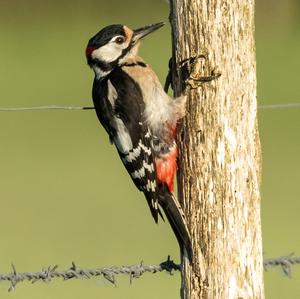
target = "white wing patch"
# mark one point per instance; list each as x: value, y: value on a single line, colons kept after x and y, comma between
x: 112, y: 94
x: 122, y: 140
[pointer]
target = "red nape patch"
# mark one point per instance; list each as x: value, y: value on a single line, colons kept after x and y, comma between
x: 89, y: 51
x: 166, y: 168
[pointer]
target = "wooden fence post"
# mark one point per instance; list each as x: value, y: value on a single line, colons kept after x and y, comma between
x: 219, y: 149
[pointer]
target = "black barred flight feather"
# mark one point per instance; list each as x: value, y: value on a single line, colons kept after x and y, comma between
x: 140, y: 165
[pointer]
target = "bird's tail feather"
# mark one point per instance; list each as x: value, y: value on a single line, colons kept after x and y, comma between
x: 176, y: 218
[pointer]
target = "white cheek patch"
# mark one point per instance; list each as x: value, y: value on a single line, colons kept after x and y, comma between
x: 109, y: 52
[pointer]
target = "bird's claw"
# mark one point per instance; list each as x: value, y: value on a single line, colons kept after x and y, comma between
x: 195, y: 72
x: 197, y: 75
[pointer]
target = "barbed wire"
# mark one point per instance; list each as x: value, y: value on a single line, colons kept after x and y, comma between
x: 60, y: 107
x: 75, y: 272
x: 109, y: 273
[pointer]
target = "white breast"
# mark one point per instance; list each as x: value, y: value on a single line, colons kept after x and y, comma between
x: 158, y: 108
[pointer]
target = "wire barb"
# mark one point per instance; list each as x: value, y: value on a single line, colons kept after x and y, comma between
x: 285, y: 262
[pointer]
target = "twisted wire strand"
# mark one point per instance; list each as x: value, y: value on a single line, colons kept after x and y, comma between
x: 134, y: 271
x: 70, y: 108
x: 46, y: 107
x: 279, y: 106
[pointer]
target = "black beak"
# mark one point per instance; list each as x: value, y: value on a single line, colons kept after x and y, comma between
x: 142, y: 32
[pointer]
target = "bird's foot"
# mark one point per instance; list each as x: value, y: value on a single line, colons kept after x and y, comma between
x: 199, y: 74
x: 195, y: 71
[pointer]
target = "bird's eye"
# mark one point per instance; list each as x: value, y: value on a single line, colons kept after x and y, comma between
x: 119, y: 40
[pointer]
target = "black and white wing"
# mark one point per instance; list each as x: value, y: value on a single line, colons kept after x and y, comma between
x: 121, y: 114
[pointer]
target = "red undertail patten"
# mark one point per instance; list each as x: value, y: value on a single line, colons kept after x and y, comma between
x: 140, y: 119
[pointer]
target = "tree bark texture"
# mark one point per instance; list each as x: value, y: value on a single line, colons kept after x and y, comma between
x: 219, y: 149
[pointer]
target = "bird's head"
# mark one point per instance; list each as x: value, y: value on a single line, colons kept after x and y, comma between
x: 112, y: 45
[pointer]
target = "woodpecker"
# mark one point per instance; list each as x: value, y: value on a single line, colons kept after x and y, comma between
x: 140, y: 119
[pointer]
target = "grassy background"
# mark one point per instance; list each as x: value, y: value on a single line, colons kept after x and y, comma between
x: 64, y: 194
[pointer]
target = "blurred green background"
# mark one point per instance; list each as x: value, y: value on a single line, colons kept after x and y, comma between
x: 64, y: 194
